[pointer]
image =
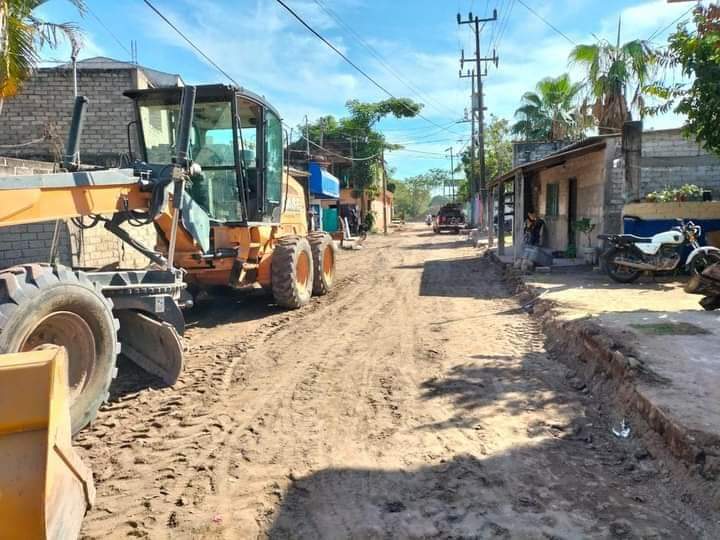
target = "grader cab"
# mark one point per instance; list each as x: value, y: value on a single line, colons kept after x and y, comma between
x: 210, y: 177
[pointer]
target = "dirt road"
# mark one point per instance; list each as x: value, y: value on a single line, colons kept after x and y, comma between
x: 415, y: 401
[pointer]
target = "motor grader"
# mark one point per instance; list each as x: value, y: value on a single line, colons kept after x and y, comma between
x: 210, y: 177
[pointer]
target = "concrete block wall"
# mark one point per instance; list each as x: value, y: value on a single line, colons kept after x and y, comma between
x: 525, y: 152
x: 44, y: 109
x: 89, y: 248
x: 670, y: 159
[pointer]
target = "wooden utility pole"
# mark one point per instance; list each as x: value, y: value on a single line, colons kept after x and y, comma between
x: 472, y: 181
x: 384, y: 193
x: 478, y: 105
x: 452, y: 173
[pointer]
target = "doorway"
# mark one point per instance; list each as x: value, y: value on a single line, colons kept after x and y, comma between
x: 572, y: 211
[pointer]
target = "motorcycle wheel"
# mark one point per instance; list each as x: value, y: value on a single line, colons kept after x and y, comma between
x: 702, y: 261
x: 619, y: 273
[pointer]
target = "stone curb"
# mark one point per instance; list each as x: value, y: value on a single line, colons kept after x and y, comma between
x: 594, y: 351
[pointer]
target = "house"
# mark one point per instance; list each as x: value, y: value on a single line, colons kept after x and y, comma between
x: 334, y: 159
x: 36, y: 121
x: 33, y: 136
x: 595, y: 179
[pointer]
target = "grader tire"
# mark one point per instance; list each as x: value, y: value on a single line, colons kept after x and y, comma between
x: 41, y: 305
x: 292, y: 272
x: 323, y: 253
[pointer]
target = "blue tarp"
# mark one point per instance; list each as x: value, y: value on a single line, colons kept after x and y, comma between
x: 323, y: 185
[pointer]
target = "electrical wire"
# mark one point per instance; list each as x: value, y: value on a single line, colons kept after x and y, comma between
x: 117, y: 40
x: 662, y: 30
x: 189, y: 41
x: 543, y: 19
x: 373, y: 51
x: 353, y: 64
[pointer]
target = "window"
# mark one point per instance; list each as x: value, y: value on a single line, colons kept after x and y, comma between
x: 273, y: 165
x: 552, y: 200
x: 211, y: 146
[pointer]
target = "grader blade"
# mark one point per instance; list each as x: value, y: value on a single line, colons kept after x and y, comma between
x: 153, y: 345
x: 45, y: 489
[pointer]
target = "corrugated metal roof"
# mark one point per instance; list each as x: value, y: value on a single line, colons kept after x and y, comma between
x: 157, y: 78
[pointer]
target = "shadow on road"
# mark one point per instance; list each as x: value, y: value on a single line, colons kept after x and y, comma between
x: 228, y: 306
x: 470, y: 277
x: 495, y: 385
x: 436, y: 245
x: 538, y: 491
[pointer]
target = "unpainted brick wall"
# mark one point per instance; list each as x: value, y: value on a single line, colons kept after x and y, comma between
x: 90, y: 248
x: 44, y: 106
x: 670, y: 160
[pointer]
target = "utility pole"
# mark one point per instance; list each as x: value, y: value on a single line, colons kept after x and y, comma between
x: 384, y: 193
x: 477, y: 104
x: 452, y: 174
x: 307, y: 139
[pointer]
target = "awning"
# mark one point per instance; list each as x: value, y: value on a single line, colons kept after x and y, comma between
x: 323, y: 185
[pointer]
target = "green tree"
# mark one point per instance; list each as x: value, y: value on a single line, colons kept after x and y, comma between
x: 498, y: 156
x: 551, y: 112
x: 359, y: 130
x: 696, y: 51
x: 22, y: 35
x: 615, y: 78
x: 413, y: 195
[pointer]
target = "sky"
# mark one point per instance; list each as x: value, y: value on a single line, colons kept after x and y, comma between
x: 410, y: 48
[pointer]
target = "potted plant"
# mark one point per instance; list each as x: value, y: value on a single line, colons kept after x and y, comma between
x: 586, y: 227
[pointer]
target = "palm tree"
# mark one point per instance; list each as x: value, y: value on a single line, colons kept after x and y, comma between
x: 22, y: 35
x: 552, y: 111
x: 614, y: 72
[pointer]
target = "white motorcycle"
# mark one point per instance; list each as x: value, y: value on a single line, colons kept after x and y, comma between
x: 628, y: 256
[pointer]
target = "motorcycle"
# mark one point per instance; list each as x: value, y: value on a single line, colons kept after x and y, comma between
x: 428, y: 220
x: 628, y: 256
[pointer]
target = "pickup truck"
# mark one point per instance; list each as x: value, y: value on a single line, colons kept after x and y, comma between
x: 449, y: 218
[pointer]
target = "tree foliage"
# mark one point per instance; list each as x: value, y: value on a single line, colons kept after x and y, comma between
x: 22, y: 35
x: 552, y: 112
x: 616, y: 75
x: 413, y: 195
x: 696, y: 51
x: 357, y: 135
x: 498, y: 156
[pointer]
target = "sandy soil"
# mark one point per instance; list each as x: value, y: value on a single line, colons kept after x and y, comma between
x: 415, y: 401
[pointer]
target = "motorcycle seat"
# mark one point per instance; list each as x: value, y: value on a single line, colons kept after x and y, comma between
x: 635, y: 239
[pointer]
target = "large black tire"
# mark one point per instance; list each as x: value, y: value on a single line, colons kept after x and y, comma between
x: 614, y: 271
x: 323, y: 254
x: 292, y: 272
x: 40, y: 304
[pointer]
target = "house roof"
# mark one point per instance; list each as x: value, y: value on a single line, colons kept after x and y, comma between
x: 586, y: 146
x: 156, y: 78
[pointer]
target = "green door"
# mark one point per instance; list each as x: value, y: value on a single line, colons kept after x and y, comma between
x: 329, y: 219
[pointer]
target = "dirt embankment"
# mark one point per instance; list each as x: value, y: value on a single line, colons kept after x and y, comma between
x: 417, y: 400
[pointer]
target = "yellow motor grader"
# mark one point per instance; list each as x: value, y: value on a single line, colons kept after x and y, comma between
x: 210, y: 177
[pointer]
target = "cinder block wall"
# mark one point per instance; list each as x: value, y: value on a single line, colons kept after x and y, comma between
x: 44, y: 107
x: 670, y: 159
x: 89, y: 248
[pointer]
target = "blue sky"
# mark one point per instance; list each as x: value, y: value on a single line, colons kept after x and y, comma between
x: 269, y: 52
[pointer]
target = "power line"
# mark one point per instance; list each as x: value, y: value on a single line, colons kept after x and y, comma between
x: 107, y: 29
x: 353, y: 64
x: 380, y: 57
x: 189, y: 41
x: 662, y: 30
x: 543, y: 19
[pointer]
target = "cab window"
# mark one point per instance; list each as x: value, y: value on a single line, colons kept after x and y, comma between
x: 273, y: 166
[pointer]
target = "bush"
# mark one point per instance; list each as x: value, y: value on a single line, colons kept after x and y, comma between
x: 687, y: 192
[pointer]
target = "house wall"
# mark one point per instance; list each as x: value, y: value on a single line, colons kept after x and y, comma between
x: 670, y: 159
x: 91, y: 248
x: 525, y: 152
x: 44, y: 107
x: 589, y: 170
